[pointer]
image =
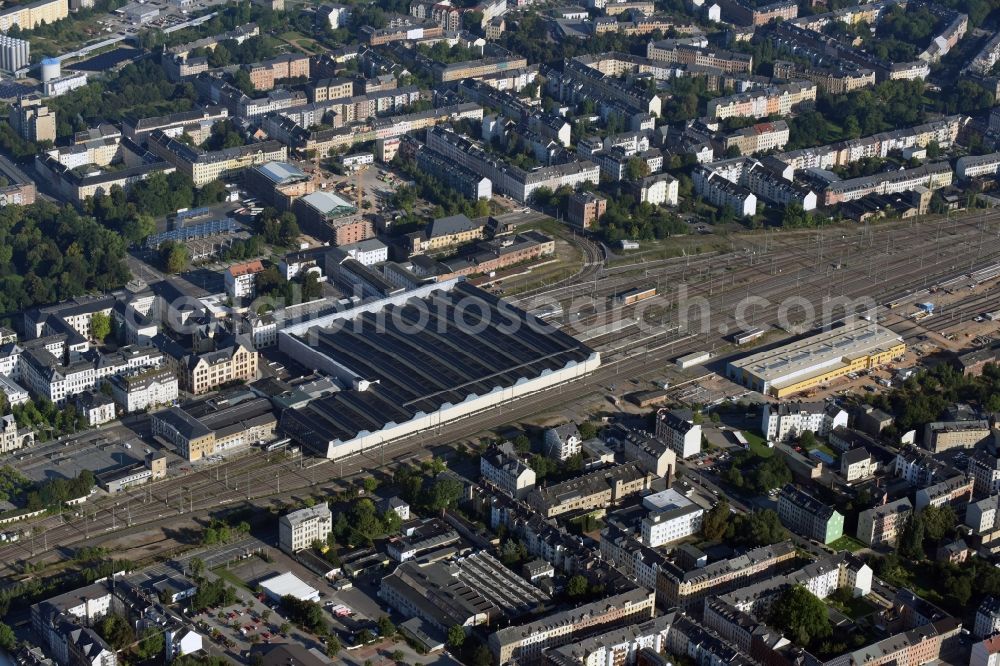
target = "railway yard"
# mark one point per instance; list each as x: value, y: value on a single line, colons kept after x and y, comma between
x: 894, y: 263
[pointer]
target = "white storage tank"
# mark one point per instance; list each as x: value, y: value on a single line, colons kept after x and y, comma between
x: 50, y: 69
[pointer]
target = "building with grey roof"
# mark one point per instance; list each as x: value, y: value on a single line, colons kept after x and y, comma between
x: 467, y: 590
x: 434, y: 377
x: 599, y: 488
x: 807, y: 516
x: 525, y: 643
x: 297, y: 530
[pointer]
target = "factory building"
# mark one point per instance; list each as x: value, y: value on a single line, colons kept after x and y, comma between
x: 464, y: 360
x: 811, y: 361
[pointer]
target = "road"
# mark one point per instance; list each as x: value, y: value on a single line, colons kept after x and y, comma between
x: 876, y: 262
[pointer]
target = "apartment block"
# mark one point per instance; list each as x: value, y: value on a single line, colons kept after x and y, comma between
x: 686, y: 588
x: 932, y: 176
x: 743, y: 13
x: 503, y: 468
x: 263, y: 75
x: 678, y: 430
x: 472, y: 69
x: 241, y: 279
x: 982, y: 515
x: 721, y: 192
x: 203, y: 166
x: 507, y: 178
x: 857, y: 464
x: 196, y: 123
x: 659, y: 189
x: 525, y: 643
x: 31, y: 119
x: 977, y: 166
x: 943, y: 435
x: 600, y: 488
x: 984, y: 468
x: 759, y: 138
x: 33, y: 14
x: 832, y: 80
x: 881, y: 525
x: 586, y: 209
x: 763, y: 102
x: 298, y: 530
x: 687, y: 54
x: 953, y: 490
x: 787, y: 420
x: 807, y: 516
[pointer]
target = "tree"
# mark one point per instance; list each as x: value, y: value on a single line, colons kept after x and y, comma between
x: 807, y: 440
x: 576, y: 586
x: 370, y: 484
x: 385, y: 627
x: 8, y: 641
x: 151, y: 644
x: 482, y: 656
x: 587, y: 430
x: 636, y: 169
x: 284, y: 628
x: 522, y: 444
x: 456, y: 636
x: 716, y: 520
x: 174, y: 257
x: 197, y: 566
x: 100, y: 326
x: 911, y: 540
x: 117, y: 631
x: 938, y: 521
x: 760, y: 528
x: 802, y: 615
x: 333, y: 646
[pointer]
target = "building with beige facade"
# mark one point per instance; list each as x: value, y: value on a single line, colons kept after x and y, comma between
x: 759, y: 138
x: 670, y: 51
x: 525, y: 643
x: 881, y: 525
x: 471, y: 69
x: 600, y: 488
x: 32, y: 120
x: 763, y: 102
x: 30, y: 16
x: 686, y: 588
x: 207, y: 427
x: 237, y: 360
x: 203, y: 166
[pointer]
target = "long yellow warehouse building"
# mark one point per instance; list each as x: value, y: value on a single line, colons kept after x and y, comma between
x: 806, y: 363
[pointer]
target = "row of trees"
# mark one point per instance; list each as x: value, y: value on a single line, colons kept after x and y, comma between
x: 48, y: 420
x: 925, y: 397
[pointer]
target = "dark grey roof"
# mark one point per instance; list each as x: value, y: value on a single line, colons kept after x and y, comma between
x: 454, y: 224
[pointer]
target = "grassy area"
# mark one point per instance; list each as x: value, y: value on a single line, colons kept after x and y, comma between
x: 854, y: 608
x: 848, y: 543
x: 228, y: 576
x: 758, y: 445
